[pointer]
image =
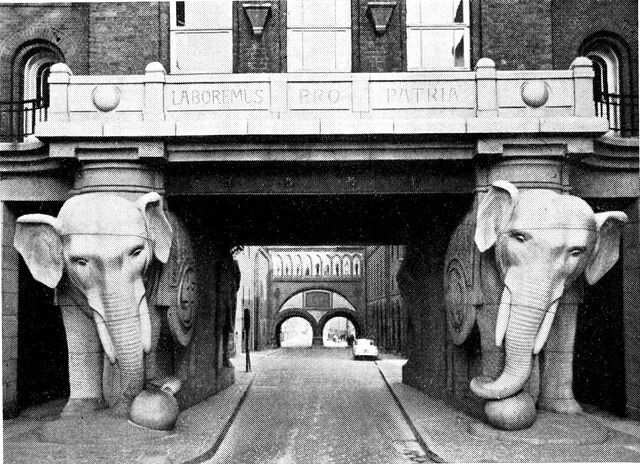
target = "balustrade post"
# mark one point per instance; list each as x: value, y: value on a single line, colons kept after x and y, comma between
x: 59, y: 78
x: 583, y: 87
x: 153, y: 109
x: 486, y: 88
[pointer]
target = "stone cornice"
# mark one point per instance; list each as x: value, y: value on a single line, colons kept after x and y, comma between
x: 614, y: 153
x: 30, y: 156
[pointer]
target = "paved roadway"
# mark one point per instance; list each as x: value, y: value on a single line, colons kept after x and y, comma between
x: 317, y: 405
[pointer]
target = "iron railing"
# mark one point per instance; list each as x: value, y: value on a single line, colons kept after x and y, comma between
x: 18, y: 119
x: 620, y: 110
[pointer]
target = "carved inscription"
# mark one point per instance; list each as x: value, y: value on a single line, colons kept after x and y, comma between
x: 319, y: 95
x: 217, y: 97
x: 415, y: 95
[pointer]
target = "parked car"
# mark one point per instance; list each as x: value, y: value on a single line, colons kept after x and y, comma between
x: 364, y: 348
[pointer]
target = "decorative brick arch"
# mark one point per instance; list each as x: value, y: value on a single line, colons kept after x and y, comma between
x: 57, y: 38
x: 348, y: 314
x: 294, y: 312
x: 318, y: 286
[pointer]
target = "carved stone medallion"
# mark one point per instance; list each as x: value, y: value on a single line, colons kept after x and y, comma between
x: 182, y: 314
x: 461, y: 313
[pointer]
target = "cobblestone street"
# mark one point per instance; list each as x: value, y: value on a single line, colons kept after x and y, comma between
x: 318, y: 405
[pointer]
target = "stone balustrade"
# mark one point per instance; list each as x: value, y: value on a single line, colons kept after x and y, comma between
x: 484, y: 101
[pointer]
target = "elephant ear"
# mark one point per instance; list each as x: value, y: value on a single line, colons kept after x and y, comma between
x: 157, y: 224
x: 606, y: 252
x: 494, y: 213
x: 37, y: 239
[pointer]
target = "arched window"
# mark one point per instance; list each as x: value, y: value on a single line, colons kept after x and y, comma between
x: 317, y: 264
x: 356, y: 266
x: 288, y: 265
x: 298, y: 265
x: 30, y: 90
x: 346, y: 266
x: 308, y: 266
x: 278, y: 265
x: 335, y: 265
x: 606, y: 83
x: 615, y: 95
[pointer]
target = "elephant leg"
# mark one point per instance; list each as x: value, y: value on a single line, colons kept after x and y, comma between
x: 556, y: 377
x: 85, y: 362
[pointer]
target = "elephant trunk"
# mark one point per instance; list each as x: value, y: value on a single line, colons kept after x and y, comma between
x: 123, y: 327
x: 527, y: 309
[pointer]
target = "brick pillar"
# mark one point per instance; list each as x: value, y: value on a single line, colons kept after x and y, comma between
x: 9, y: 303
x: 631, y: 288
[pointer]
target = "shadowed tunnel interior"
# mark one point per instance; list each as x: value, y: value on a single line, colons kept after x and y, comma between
x: 324, y: 219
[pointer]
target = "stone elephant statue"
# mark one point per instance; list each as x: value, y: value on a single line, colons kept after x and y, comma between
x: 105, y: 255
x: 513, y: 268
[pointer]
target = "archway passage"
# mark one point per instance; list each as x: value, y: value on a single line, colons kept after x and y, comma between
x: 296, y: 332
x: 287, y: 314
x: 42, y: 373
x: 338, y: 332
x: 351, y: 316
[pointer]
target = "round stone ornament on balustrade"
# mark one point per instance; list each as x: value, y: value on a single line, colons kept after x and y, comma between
x: 106, y: 97
x: 535, y: 93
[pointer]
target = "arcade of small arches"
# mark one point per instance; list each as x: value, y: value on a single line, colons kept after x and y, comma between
x: 317, y: 326
x: 317, y: 264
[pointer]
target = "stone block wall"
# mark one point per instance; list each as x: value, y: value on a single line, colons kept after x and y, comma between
x: 201, y: 362
x: 9, y: 302
x: 631, y: 289
x: 421, y: 285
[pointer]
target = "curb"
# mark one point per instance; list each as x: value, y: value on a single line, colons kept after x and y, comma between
x: 210, y: 453
x: 419, y: 438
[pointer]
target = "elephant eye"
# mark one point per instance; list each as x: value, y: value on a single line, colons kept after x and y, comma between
x: 136, y: 251
x: 577, y: 251
x: 80, y: 261
x: 519, y: 236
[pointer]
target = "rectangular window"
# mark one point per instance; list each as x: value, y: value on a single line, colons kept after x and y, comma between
x: 318, y: 36
x: 437, y: 34
x: 201, y: 37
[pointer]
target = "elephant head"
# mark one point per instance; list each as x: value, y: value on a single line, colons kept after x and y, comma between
x: 543, y: 242
x: 105, y: 244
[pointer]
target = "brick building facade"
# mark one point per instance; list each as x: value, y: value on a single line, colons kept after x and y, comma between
x: 330, y: 125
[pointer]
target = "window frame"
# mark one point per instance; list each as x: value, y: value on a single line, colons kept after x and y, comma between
x: 464, y: 26
x: 341, y: 26
x: 175, y: 31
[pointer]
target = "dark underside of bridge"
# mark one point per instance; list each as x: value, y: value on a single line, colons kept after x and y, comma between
x: 324, y: 219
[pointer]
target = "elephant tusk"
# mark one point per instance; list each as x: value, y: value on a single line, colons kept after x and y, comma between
x: 545, y: 328
x: 143, y: 315
x: 503, y: 316
x: 145, y: 325
x: 105, y: 338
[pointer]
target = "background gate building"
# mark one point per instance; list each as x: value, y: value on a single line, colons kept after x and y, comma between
x: 378, y: 124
